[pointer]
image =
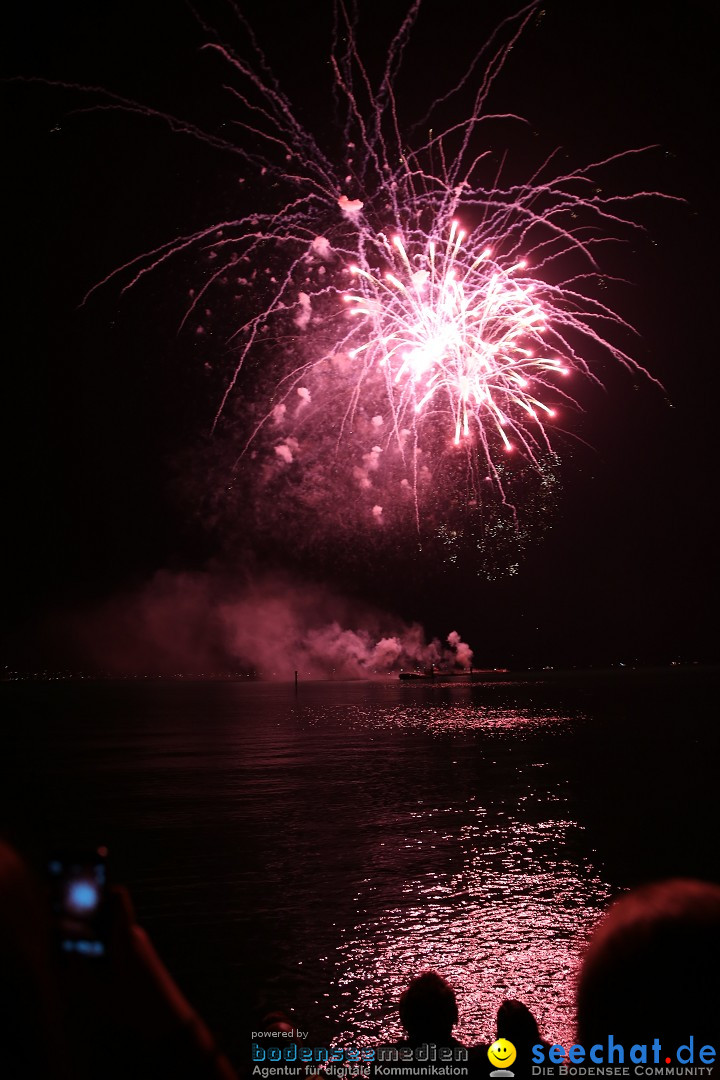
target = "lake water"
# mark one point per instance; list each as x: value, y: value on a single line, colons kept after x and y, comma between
x: 315, y: 852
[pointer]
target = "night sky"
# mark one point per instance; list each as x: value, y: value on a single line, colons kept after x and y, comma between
x: 106, y: 406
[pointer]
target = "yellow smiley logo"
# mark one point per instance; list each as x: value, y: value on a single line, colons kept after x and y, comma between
x: 502, y: 1053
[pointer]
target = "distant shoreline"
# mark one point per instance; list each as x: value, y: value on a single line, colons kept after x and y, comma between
x: 625, y: 672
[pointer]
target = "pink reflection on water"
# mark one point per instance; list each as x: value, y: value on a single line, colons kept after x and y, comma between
x: 451, y: 718
x: 512, y: 924
x: 507, y: 917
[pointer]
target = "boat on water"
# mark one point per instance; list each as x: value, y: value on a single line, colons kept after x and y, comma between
x: 473, y: 673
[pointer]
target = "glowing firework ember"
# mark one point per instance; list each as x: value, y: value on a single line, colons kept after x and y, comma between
x: 401, y: 306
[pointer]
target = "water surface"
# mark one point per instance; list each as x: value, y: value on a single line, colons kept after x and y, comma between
x: 315, y: 852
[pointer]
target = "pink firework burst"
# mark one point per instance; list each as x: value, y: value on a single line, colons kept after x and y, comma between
x: 407, y: 285
x: 462, y: 333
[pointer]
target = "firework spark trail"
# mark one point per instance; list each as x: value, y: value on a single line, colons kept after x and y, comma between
x: 448, y: 293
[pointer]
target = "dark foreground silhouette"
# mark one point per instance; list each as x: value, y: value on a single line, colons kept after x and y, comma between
x: 651, y: 972
x: 75, y: 1017
x: 652, y: 969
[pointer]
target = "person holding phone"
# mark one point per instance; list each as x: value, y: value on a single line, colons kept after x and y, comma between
x: 84, y: 993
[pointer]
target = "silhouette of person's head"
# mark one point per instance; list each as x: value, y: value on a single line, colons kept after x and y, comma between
x: 517, y: 1024
x: 652, y: 968
x: 276, y: 1021
x: 428, y: 1009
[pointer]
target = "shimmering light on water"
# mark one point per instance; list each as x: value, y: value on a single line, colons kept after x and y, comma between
x: 312, y: 853
x: 511, y: 926
x: 503, y: 906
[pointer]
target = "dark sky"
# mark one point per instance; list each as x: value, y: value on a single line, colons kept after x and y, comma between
x: 102, y: 402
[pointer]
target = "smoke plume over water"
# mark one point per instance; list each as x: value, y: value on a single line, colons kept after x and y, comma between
x: 200, y: 623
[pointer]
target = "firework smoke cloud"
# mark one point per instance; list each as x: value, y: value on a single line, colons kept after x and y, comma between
x: 201, y: 623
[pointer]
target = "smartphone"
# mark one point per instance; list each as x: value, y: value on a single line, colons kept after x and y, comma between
x: 78, y: 885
